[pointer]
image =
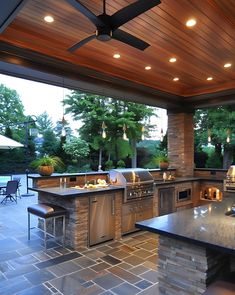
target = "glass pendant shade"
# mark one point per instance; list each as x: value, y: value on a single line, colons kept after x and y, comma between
x: 209, y: 136
x: 142, y: 135
x: 124, y: 136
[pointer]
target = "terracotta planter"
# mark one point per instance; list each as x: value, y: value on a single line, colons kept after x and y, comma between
x: 45, y: 170
x: 163, y: 165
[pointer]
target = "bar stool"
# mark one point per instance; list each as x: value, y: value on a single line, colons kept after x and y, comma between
x: 220, y: 288
x: 47, y: 212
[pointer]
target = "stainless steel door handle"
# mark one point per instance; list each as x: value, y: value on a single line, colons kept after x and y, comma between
x: 113, y: 206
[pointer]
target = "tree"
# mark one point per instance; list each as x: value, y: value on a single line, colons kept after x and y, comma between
x: 44, y: 122
x: 76, y: 148
x: 94, y: 110
x: 11, y: 107
x: 50, y: 144
x: 219, y: 123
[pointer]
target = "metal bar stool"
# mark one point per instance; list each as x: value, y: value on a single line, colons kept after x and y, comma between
x: 47, y: 212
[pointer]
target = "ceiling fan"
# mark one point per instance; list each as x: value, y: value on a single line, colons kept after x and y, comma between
x: 107, y: 26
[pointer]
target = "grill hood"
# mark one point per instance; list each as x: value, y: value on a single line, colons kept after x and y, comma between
x: 231, y: 173
x: 130, y: 176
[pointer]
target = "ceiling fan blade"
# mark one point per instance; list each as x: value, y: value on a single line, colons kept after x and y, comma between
x: 85, y: 11
x: 129, y: 12
x: 81, y: 43
x: 129, y: 39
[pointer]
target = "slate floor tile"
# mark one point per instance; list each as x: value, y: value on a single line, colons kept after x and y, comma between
x: 39, y: 276
x: 20, y: 271
x: 84, y: 262
x: 125, y: 275
x: 139, y: 269
x: 86, y: 274
x: 37, y: 290
x: 13, y: 286
x: 153, y: 290
x: 143, y: 284
x: 111, y: 260
x: 64, y: 268
x: 120, y: 254
x: 125, y: 289
x: 58, y: 260
x: 100, y: 266
x: 23, y: 260
x: 8, y: 255
x: 142, y: 253
x: 108, y: 281
x: 151, y: 276
x: 134, y: 260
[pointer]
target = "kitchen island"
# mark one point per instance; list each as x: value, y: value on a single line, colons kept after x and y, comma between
x: 195, y: 245
x: 78, y: 203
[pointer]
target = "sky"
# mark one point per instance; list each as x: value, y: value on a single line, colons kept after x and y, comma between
x: 39, y: 97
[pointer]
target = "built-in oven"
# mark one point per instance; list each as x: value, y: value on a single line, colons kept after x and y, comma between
x: 184, y: 193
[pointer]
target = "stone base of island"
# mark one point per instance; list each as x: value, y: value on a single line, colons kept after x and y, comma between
x: 77, y: 203
x: 196, y: 246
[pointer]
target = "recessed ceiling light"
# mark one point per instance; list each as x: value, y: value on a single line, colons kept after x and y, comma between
x: 116, y: 55
x: 227, y: 65
x: 176, y: 79
x: 147, y: 68
x: 49, y: 19
x: 191, y: 22
x: 173, y: 59
x: 209, y: 78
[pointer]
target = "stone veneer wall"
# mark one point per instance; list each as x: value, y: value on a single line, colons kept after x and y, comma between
x: 181, y: 143
x: 77, y: 221
x: 187, y: 269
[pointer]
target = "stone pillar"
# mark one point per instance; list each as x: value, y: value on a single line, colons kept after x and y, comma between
x: 181, y: 143
x: 186, y: 268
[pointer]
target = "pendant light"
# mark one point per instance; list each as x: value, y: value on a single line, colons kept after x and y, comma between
x: 104, y: 135
x: 142, y: 135
x: 161, y: 135
x: 124, y: 136
x: 228, y: 136
x: 209, y: 136
x: 63, y: 121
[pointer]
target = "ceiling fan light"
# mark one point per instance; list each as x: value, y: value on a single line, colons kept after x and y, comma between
x: 103, y: 34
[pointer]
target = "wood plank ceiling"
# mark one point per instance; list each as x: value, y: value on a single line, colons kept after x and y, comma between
x: 201, y: 51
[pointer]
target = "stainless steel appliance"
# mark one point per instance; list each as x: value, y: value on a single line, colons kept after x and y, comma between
x: 138, y: 183
x: 229, y: 182
x: 138, y: 195
x: 184, y: 194
x: 166, y: 200
x: 102, y: 213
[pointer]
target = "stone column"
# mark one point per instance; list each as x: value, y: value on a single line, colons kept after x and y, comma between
x: 181, y: 142
x: 186, y: 268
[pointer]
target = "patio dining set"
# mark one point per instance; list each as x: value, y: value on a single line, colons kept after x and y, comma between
x: 10, y: 188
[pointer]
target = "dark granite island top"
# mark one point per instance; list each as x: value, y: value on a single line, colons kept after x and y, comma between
x: 74, y: 192
x: 194, y: 246
x: 204, y: 225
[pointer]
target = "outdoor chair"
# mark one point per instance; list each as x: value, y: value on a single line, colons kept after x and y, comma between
x: 11, y: 190
x: 19, y: 185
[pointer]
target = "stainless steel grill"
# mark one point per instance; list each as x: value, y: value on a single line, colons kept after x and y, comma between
x: 138, y: 182
x: 229, y: 182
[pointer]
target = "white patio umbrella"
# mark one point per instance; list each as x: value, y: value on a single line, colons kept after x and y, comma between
x: 8, y: 143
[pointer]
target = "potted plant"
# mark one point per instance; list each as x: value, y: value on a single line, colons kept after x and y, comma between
x: 162, y: 161
x: 47, y: 164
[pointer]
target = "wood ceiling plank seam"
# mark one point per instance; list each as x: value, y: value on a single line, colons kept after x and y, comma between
x: 205, y: 52
x: 216, y: 19
x: 202, y: 16
x: 227, y: 7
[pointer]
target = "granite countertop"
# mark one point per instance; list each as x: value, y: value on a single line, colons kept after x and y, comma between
x: 206, y: 226
x: 185, y: 179
x: 74, y: 192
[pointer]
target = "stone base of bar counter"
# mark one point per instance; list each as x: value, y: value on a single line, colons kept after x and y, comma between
x: 77, y: 221
x: 187, y: 269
